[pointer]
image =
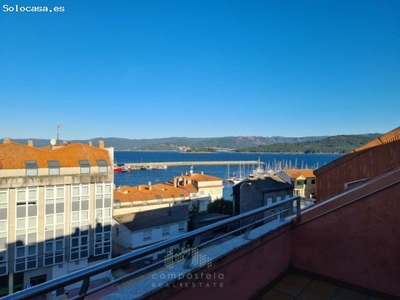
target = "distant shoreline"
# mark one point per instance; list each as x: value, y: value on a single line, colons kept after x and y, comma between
x: 226, y: 151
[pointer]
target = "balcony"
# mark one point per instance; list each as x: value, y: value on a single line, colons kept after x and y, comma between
x: 343, y: 248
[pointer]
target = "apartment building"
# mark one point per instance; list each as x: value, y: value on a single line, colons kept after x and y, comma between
x: 302, y: 180
x: 136, y: 230
x: 190, y: 188
x: 55, y: 211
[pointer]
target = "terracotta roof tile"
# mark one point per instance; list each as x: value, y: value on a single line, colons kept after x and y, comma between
x: 13, y: 155
x: 295, y: 173
x: 143, y: 192
x: 200, y: 177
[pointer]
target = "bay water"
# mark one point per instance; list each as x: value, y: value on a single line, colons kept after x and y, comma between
x: 270, y: 161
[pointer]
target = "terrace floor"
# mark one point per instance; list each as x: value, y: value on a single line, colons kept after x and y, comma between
x: 306, y: 287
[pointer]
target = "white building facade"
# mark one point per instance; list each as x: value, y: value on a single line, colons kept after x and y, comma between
x: 55, y: 211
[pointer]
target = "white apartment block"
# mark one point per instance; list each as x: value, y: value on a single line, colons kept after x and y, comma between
x: 55, y: 211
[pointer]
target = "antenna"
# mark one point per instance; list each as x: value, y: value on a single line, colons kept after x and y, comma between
x: 58, y: 132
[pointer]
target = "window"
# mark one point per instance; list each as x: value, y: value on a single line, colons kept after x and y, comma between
x: 117, y: 203
x: 79, y: 238
x: 3, y: 199
x: 26, y: 252
x: 181, y: 227
x: 102, y: 243
x: 54, y: 223
x: 182, y: 197
x: 165, y: 230
x: 85, y: 166
x: 312, y: 181
x: 3, y: 231
x: 54, y: 167
x: 159, y: 199
x: 31, y: 168
x: 147, y: 235
x: 103, y: 166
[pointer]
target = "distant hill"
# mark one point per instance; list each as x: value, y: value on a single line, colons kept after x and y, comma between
x: 333, y: 144
x: 310, y: 144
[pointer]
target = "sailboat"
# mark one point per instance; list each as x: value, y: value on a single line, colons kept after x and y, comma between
x: 237, y: 179
x: 234, y: 179
x: 259, y: 171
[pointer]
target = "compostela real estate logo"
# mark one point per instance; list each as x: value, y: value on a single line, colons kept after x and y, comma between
x: 176, y: 275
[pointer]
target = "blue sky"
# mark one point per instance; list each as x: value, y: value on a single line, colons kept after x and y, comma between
x: 149, y: 69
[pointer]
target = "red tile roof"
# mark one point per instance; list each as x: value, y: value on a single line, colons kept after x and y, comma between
x: 200, y: 177
x: 13, y: 155
x: 146, y: 192
x: 295, y: 173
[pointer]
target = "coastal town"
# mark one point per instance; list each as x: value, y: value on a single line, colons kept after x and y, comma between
x: 61, y: 212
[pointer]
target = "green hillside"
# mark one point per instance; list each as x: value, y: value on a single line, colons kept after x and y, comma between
x: 334, y: 144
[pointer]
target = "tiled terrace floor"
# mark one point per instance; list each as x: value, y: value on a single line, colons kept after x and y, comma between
x: 299, y: 286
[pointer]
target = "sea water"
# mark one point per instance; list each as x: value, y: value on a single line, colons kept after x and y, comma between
x: 269, y: 160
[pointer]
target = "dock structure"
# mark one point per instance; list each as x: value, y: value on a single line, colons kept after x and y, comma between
x: 137, y: 165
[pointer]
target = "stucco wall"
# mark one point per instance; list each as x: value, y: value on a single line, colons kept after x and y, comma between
x: 358, y: 244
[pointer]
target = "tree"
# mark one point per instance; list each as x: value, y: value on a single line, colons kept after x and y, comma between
x: 220, y: 206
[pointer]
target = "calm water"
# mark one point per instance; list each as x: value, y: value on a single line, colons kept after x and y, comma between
x: 271, y: 161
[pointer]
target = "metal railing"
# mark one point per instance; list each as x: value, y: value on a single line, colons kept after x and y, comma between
x: 84, y: 275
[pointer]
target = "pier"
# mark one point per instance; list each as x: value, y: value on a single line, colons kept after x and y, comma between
x: 138, y: 165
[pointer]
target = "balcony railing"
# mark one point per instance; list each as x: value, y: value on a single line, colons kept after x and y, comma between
x: 193, y: 237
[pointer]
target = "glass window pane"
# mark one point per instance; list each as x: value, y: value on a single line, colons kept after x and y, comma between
x: 102, y: 163
x: 3, y: 197
x: 49, y: 247
x: 49, y: 220
x: 20, y: 223
x: 3, y: 227
x: 85, y: 190
x: 75, y: 216
x: 60, y: 192
x: 60, y: 219
x: 32, y: 222
x: 54, y: 171
x: 53, y: 164
x: 21, y: 195
x: 50, y: 193
x: 31, y: 172
x: 99, y: 189
x: 32, y: 250
x: 85, y: 215
x: 21, y: 252
x: 59, y: 245
x: 32, y: 194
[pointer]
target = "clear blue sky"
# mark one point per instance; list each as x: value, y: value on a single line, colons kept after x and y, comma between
x: 148, y: 69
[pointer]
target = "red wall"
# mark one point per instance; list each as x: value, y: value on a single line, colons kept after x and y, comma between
x: 368, y: 163
x: 358, y: 244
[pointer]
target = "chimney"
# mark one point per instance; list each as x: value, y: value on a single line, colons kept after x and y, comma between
x: 139, y: 187
x: 175, y: 182
x: 149, y: 185
x: 90, y: 143
x: 6, y: 141
x: 101, y: 144
x: 30, y: 143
